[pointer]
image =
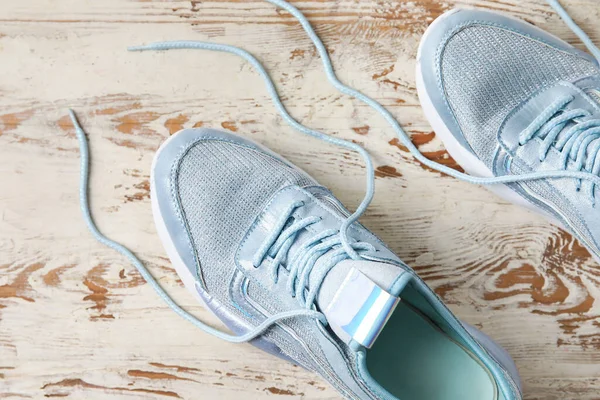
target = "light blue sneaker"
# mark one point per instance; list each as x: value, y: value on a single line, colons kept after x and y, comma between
x: 507, y: 98
x: 258, y: 242
x: 278, y: 259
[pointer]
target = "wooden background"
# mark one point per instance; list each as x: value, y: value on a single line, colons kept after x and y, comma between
x: 77, y: 321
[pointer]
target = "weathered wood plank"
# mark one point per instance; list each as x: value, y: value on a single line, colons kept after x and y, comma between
x: 77, y: 321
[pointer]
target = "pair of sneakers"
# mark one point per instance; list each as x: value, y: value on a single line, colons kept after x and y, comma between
x: 278, y: 259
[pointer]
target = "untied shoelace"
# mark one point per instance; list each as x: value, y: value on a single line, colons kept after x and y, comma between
x: 350, y: 249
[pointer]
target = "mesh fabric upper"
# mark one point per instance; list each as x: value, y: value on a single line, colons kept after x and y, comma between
x: 488, y: 71
x: 222, y: 188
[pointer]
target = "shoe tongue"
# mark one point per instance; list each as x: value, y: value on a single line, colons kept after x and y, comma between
x: 358, y: 296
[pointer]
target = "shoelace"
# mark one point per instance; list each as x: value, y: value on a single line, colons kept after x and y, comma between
x: 564, y: 15
x: 578, y: 143
x: 343, y: 236
x: 300, y: 267
x: 87, y: 216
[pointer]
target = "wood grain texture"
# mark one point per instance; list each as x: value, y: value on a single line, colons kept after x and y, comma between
x: 76, y: 321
